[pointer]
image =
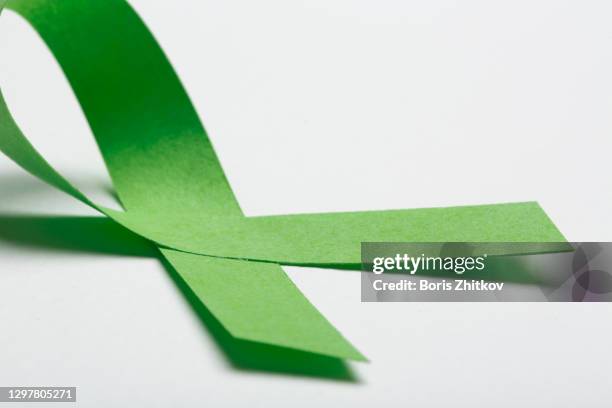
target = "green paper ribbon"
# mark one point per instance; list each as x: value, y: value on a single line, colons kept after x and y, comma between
x: 175, y: 193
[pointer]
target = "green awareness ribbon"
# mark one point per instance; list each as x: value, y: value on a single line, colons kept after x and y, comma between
x: 174, y: 192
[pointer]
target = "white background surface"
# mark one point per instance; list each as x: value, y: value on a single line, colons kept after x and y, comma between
x: 331, y: 106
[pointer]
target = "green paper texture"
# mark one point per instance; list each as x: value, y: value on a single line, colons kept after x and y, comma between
x: 278, y: 312
x: 175, y: 193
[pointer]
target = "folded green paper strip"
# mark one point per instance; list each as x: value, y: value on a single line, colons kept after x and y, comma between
x: 175, y: 193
